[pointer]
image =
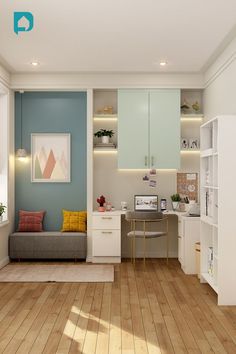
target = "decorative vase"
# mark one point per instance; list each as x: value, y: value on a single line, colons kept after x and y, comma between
x: 1, y: 218
x: 101, y: 208
x: 175, y: 205
x: 105, y: 139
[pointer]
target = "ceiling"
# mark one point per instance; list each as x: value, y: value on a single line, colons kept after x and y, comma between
x: 115, y: 36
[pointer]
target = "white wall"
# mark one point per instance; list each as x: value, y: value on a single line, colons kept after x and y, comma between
x: 6, y: 228
x: 220, y: 84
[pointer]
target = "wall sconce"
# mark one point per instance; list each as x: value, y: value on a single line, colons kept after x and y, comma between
x: 21, y: 153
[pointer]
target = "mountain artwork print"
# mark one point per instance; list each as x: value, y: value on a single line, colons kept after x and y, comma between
x: 50, y: 157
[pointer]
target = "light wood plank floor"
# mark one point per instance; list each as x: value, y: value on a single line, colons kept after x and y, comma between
x: 148, y: 309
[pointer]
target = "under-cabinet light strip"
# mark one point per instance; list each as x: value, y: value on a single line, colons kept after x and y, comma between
x: 105, y: 151
x: 189, y: 119
x: 105, y: 119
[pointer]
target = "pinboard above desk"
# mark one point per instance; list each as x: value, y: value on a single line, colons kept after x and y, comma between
x: 187, y: 185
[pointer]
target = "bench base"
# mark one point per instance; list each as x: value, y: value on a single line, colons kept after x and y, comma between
x: 48, y: 245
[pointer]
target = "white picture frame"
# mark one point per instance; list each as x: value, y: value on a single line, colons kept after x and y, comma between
x: 50, y: 157
x: 193, y: 143
x: 184, y: 143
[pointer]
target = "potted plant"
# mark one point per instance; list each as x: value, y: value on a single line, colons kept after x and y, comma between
x: 104, y: 134
x: 2, y: 211
x: 175, y: 200
x: 101, y: 201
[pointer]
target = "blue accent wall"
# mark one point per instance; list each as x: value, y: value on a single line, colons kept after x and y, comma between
x: 51, y: 112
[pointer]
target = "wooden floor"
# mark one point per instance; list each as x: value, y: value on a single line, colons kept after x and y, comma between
x: 151, y: 309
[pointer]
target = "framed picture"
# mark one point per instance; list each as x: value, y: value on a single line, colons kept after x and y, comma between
x: 50, y: 157
x: 193, y: 143
x: 184, y: 143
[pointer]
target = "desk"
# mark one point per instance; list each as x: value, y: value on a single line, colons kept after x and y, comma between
x: 106, y: 237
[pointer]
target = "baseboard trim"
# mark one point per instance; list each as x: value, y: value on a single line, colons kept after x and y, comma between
x: 4, y: 262
x: 106, y: 260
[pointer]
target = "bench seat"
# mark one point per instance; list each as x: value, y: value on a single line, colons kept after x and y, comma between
x: 48, y: 245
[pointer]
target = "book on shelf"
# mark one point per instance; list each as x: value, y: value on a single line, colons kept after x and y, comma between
x: 210, y: 261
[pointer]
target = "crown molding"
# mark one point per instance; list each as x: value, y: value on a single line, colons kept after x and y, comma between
x: 221, y: 64
x: 4, y: 77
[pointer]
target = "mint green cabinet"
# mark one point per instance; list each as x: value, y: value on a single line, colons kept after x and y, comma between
x: 149, y: 129
x: 164, y: 123
x: 133, y: 130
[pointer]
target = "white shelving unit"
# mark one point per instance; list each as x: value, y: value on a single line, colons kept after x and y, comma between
x: 218, y: 209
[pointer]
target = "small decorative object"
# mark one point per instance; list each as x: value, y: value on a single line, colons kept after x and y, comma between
x: 185, y: 107
x: 104, y: 134
x: 175, y: 200
x: 193, y: 143
x: 108, y: 206
x: 123, y: 206
x: 153, y: 172
x: 145, y: 178
x: 2, y: 211
x: 101, y: 201
x: 181, y: 206
x: 196, y: 107
x: 152, y: 183
x: 105, y: 110
x: 50, y: 157
x: 184, y: 143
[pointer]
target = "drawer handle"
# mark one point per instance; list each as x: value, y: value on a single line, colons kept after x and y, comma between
x: 152, y: 159
x: 145, y: 161
x: 107, y: 217
x: 106, y: 232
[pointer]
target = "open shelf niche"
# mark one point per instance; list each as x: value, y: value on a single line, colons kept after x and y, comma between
x: 105, y: 117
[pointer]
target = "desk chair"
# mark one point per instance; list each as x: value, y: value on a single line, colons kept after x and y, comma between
x: 145, y: 218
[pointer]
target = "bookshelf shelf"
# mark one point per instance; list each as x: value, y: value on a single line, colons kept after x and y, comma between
x: 217, y: 235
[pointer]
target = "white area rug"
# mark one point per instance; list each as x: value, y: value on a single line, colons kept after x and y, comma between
x: 65, y: 273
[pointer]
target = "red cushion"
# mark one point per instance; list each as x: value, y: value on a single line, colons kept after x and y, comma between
x: 30, y: 221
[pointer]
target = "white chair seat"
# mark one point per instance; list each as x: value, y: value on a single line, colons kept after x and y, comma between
x: 148, y: 234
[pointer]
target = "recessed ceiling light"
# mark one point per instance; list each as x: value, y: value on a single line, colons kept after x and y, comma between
x: 163, y: 63
x: 34, y: 63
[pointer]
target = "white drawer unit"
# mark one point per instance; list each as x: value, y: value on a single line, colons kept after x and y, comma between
x: 106, y: 243
x: 106, y: 222
x: 106, y: 237
x: 188, y: 235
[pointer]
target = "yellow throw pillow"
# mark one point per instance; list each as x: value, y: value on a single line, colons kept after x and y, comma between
x: 74, y: 221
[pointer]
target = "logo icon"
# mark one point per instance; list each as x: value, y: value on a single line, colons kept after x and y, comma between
x: 23, y: 22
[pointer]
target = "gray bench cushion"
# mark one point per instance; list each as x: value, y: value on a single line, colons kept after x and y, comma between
x: 48, y: 244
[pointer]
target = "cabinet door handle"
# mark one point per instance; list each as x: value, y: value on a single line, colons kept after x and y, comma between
x: 106, y: 232
x: 152, y: 160
x: 107, y: 217
x: 146, y: 160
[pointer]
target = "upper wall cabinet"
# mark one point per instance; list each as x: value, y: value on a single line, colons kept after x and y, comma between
x: 133, y: 129
x: 149, y: 129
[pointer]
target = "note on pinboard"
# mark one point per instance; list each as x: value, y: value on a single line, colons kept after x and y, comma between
x: 187, y: 185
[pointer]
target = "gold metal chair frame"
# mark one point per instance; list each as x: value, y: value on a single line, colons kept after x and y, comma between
x: 144, y: 221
